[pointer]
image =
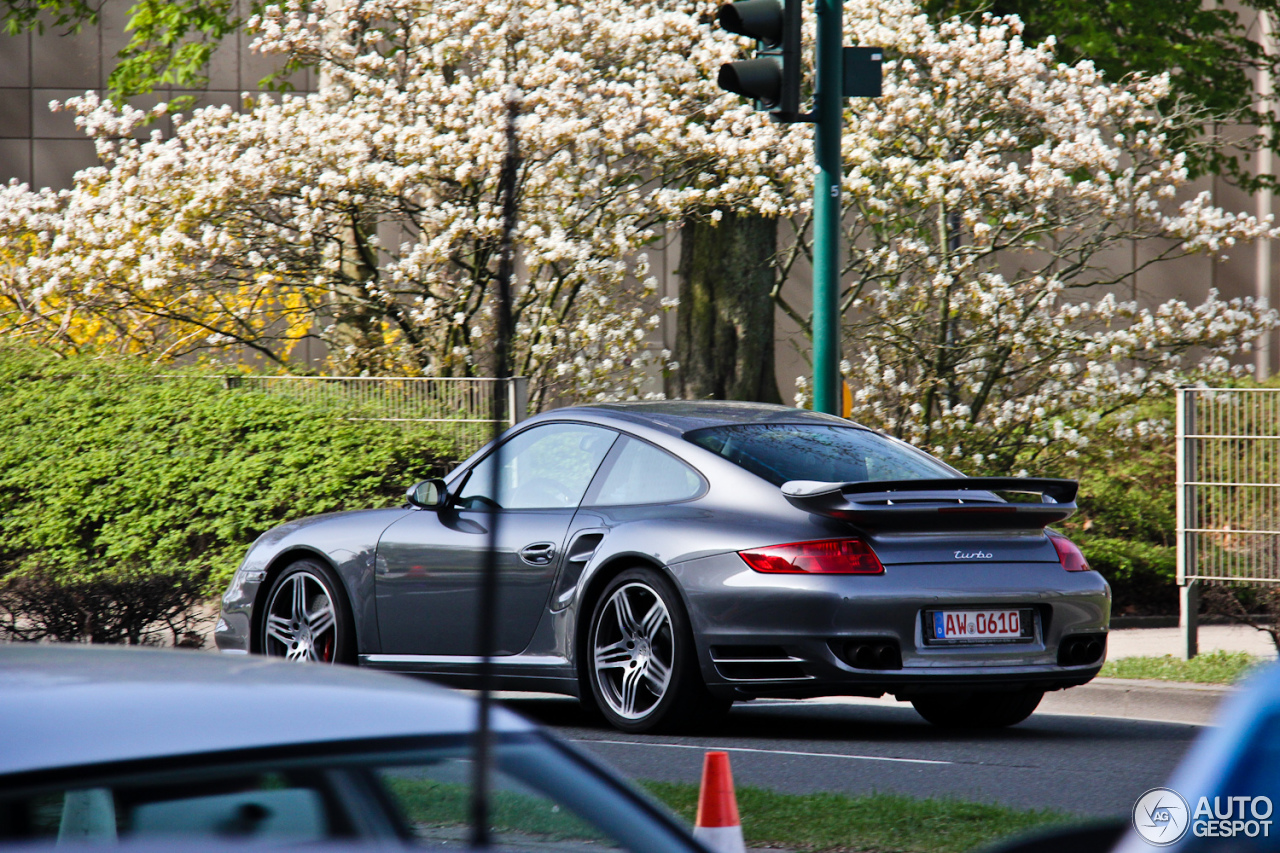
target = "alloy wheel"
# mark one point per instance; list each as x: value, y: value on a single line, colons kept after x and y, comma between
x: 633, y: 651
x: 302, y: 622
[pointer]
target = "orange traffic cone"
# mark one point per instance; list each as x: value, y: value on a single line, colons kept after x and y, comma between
x: 718, y: 825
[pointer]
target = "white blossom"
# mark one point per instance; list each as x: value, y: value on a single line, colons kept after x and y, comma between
x: 982, y: 192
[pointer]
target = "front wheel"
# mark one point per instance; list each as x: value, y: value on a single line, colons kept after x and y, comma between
x: 306, y: 617
x: 977, y: 710
x: 642, y: 664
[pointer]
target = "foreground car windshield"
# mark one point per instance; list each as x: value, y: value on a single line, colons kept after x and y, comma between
x: 782, y: 452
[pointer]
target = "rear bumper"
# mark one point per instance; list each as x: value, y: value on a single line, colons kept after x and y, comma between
x: 832, y: 678
x: 795, y: 635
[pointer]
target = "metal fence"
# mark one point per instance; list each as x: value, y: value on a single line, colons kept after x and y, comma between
x: 457, y: 408
x: 1228, y: 498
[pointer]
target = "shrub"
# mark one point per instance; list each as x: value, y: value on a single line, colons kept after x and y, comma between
x: 112, y: 472
x: 1143, y: 576
x: 1257, y: 606
x: 1125, y: 525
x: 135, y: 606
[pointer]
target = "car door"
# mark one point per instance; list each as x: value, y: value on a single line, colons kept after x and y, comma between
x: 429, y: 563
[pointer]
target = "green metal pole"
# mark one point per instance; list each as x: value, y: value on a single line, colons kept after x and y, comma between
x: 829, y: 109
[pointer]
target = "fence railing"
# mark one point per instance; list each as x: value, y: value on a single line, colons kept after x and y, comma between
x: 1228, y: 492
x: 457, y: 408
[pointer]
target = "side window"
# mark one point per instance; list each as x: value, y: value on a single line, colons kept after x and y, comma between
x: 546, y: 467
x: 643, y: 474
x: 290, y: 808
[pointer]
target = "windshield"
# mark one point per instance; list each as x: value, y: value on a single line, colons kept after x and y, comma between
x: 829, y: 454
x: 542, y: 798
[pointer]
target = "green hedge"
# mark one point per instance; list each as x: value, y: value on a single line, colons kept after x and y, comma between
x: 1143, y: 576
x: 1125, y: 525
x: 107, y: 467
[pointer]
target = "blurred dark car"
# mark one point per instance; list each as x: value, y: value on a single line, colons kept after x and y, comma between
x: 1222, y: 797
x: 662, y: 560
x: 1225, y: 795
x: 108, y: 745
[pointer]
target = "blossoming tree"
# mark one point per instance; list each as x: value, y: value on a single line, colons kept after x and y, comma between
x: 986, y: 193
x: 373, y: 203
x: 993, y: 195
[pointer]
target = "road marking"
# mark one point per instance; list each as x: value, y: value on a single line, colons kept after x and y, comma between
x: 768, y: 751
x: 880, y: 702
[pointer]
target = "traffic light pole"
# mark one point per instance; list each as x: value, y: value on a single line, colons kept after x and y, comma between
x: 772, y: 79
x: 828, y: 112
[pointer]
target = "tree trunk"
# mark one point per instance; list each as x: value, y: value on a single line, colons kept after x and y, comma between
x: 724, y: 324
x: 356, y: 341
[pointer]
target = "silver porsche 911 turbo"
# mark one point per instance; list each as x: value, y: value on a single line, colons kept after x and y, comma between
x: 662, y: 560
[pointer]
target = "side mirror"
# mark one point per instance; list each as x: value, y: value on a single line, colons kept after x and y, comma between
x: 429, y: 494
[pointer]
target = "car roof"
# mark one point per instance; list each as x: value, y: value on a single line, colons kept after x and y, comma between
x: 63, y: 706
x: 677, y: 417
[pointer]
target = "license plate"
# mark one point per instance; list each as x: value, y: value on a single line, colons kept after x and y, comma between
x: 979, y: 625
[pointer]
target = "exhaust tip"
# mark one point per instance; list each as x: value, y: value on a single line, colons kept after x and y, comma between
x: 876, y: 653
x: 1082, y: 649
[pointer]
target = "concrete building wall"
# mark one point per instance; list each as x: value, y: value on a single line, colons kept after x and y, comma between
x: 45, y: 149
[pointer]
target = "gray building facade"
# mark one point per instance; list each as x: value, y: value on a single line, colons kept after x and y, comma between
x: 43, y: 148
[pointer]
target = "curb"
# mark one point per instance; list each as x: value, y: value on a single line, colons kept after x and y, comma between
x: 1139, y: 699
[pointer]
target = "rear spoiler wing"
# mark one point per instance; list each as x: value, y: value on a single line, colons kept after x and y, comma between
x: 960, y: 503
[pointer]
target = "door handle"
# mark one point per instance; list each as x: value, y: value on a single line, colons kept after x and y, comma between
x: 539, y: 553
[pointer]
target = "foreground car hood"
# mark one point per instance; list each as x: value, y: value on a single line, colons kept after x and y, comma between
x: 63, y: 706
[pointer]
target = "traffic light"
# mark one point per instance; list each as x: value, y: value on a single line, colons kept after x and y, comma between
x: 772, y: 78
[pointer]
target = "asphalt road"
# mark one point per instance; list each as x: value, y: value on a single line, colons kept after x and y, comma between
x: 1084, y: 765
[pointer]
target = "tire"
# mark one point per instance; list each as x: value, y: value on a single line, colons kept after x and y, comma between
x: 977, y: 710
x: 307, y: 617
x: 641, y: 661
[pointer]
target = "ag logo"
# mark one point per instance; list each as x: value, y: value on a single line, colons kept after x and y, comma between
x: 1161, y: 816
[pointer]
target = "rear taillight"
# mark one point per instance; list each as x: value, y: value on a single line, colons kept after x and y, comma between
x: 828, y: 557
x: 1069, y: 555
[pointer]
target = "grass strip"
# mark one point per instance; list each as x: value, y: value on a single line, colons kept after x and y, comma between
x: 1211, y: 668
x: 429, y: 803
x: 883, y: 823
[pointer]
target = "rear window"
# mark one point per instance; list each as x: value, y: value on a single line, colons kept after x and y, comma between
x: 832, y: 454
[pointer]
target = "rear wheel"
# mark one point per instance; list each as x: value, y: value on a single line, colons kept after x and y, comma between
x: 641, y: 661
x: 977, y: 710
x: 307, y: 617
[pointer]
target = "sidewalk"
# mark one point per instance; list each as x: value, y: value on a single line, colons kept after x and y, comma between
x: 1154, y: 642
